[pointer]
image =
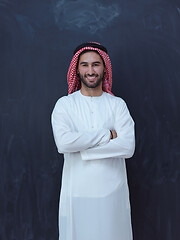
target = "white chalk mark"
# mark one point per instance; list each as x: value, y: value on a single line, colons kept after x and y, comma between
x: 80, y: 14
x: 178, y: 9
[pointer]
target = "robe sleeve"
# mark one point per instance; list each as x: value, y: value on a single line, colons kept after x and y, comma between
x: 123, y: 146
x: 68, y: 141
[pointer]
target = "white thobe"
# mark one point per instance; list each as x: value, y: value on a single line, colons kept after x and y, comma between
x: 94, y: 199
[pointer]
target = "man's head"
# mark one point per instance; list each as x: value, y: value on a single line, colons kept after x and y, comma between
x: 91, y: 69
x: 90, y: 66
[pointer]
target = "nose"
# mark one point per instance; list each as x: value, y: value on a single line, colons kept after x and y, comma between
x: 90, y: 70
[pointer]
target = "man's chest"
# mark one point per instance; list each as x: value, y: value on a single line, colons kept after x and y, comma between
x: 92, y: 115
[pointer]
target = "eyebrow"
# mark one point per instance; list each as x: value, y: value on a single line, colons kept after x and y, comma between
x: 92, y: 62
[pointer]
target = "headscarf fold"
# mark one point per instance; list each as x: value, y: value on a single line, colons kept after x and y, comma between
x: 73, y: 80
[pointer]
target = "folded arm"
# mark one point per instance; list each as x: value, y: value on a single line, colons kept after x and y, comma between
x: 71, y: 141
x: 123, y: 146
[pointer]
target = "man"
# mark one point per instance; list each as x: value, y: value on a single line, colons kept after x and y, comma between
x: 95, y: 132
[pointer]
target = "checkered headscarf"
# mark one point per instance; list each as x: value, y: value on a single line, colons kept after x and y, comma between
x: 74, y: 83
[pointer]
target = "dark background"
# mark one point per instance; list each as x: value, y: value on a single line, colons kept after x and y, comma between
x: 37, y: 39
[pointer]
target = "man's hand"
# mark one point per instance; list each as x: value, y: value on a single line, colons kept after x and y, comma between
x: 114, y: 133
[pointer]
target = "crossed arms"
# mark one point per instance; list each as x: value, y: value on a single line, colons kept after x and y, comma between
x: 94, y: 144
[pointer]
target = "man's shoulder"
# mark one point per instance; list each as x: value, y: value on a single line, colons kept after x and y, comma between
x: 114, y: 99
x: 65, y: 100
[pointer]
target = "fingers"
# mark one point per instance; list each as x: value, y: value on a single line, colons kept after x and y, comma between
x: 114, y: 134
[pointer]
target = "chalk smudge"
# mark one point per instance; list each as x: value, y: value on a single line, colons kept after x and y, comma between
x: 93, y: 15
x: 178, y: 9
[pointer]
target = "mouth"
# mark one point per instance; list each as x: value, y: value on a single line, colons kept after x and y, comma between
x: 91, y: 78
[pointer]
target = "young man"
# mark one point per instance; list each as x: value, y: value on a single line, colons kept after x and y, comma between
x: 95, y: 132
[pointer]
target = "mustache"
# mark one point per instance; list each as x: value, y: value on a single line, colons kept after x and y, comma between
x: 91, y: 75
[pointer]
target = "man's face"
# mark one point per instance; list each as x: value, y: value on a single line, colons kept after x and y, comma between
x: 91, y: 69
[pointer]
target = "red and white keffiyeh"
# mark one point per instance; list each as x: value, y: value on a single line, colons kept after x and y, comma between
x: 74, y: 83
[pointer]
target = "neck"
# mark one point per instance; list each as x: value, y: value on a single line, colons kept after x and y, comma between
x: 91, y: 92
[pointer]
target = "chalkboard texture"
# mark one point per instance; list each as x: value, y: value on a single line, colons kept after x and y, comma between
x: 37, y: 39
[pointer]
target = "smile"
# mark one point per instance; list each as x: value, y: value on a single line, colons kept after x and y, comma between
x: 91, y: 78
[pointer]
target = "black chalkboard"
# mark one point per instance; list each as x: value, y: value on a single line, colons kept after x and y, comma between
x: 37, y: 39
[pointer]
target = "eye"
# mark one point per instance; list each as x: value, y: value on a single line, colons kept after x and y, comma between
x: 84, y: 64
x: 96, y: 64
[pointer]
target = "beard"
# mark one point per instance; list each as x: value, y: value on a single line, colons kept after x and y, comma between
x: 94, y: 84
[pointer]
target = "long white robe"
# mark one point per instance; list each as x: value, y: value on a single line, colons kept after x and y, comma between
x: 94, y: 199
